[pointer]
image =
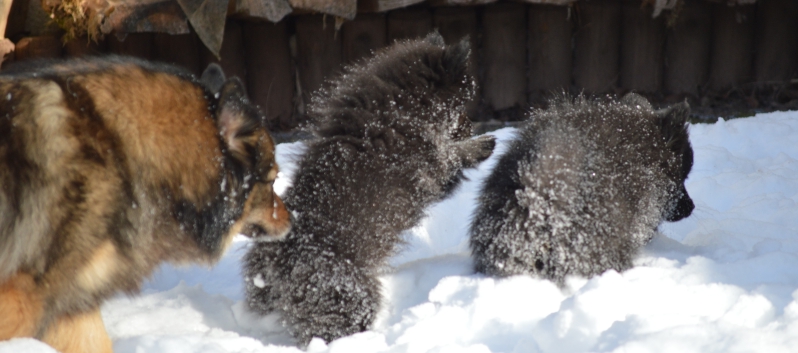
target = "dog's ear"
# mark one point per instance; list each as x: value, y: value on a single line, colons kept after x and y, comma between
x: 434, y: 38
x: 672, y: 122
x: 456, y: 56
x: 635, y: 100
x: 213, y: 78
x: 238, y: 121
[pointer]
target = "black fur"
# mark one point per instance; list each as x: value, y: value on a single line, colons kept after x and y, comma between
x: 393, y: 137
x: 582, y: 187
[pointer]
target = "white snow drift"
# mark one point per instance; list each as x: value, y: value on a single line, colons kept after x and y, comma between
x: 723, y: 280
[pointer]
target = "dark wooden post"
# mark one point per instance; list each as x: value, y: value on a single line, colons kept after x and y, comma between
x: 181, y: 49
x: 776, y: 41
x: 83, y: 46
x: 270, y: 81
x: 454, y: 23
x: 504, y: 53
x: 16, y: 19
x: 365, y: 34
x: 687, y: 49
x: 232, y: 52
x: 133, y: 44
x: 733, y: 45
x: 642, y: 48
x: 409, y: 23
x: 597, y: 45
x: 318, y: 53
x: 550, y: 51
x: 37, y: 47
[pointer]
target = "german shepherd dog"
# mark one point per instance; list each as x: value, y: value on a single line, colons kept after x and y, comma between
x: 110, y: 166
x: 392, y: 137
x: 582, y: 187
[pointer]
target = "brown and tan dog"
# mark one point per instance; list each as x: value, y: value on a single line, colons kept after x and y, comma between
x: 110, y: 166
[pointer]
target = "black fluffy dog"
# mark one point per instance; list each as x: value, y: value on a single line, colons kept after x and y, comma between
x: 393, y: 136
x: 582, y: 187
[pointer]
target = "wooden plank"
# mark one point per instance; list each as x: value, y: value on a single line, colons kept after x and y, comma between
x: 83, y: 46
x: 38, y: 21
x: 504, y: 53
x: 208, y: 19
x: 133, y: 44
x: 384, y: 5
x: 776, y: 41
x: 272, y: 10
x: 15, y: 28
x: 270, y: 81
x: 29, y: 48
x: 409, y: 23
x: 597, y: 45
x: 365, y: 34
x: 342, y: 8
x: 687, y: 49
x: 146, y: 16
x: 642, y: 48
x: 232, y: 52
x: 460, y: 2
x: 455, y: 23
x: 550, y: 31
x: 318, y: 54
x: 180, y: 49
x: 731, y: 60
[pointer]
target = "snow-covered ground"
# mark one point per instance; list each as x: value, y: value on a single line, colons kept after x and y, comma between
x: 723, y: 280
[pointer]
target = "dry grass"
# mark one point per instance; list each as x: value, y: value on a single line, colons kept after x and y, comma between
x: 77, y: 18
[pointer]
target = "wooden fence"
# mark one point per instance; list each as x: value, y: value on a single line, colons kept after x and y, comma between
x: 742, y: 57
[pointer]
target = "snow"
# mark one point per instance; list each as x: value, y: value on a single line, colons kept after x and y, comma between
x: 723, y: 280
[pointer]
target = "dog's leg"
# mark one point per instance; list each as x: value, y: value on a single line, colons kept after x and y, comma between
x: 20, y: 306
x: 473, y: 151
x: 79, y: 333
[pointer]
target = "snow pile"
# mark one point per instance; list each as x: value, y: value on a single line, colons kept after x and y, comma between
x: 723, y: 280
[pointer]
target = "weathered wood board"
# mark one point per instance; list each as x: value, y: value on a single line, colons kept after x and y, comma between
x: 409, y: 23
x: 362, y: 36
x: 232, y: 52
x: 29, y: 48
x: 271, y: 81
x: 504, y: 53
x: 687, y: 49
x: 180, y: 49
x: 597, y: 45
x: 318, y: 54
x: 133, y: 44
x: 732, y: 46
x: 642, y: 48
x: 550, y: 31
x: 776, y: 58
x: 455, y: 23
x: 84, y: 46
